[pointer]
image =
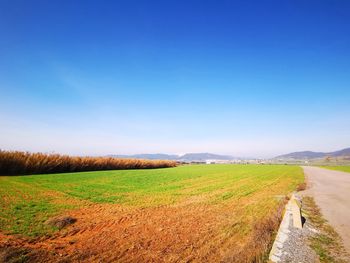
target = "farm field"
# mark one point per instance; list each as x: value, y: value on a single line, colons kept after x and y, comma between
x: 338, y: 168
x: 198, y: 212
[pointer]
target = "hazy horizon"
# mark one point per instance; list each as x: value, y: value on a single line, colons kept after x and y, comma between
x: 169, y: 153
x: 248, y: 79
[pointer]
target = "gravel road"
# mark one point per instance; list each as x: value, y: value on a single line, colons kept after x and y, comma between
x: 331, y: 191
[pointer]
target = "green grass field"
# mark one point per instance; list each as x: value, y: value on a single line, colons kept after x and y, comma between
x: 338, y: 168
x: 28, y: 201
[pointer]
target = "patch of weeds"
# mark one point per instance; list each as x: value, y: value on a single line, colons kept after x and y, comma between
x: 227, y: 195
x: 326, y: 242
x: 61, y: 222
x: 14, y: 255
x: 320, y: 244
x: 28, y: 218
x: 301, y: 187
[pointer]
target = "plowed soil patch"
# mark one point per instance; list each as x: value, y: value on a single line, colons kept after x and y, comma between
x: 113, y: 233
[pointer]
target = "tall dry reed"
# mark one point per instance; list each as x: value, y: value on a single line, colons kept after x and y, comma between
x: 20, y: 163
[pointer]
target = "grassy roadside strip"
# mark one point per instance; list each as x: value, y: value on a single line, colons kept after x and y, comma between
x: 344, y: 168
x: 326, y: 242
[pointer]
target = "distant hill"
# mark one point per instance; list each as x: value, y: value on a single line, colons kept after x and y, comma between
x: 344, y: 152
x: 314, y: 155
x: 188, y: 157
x: 149, y: 156
x: 204, y: 156
x: 302, y: 155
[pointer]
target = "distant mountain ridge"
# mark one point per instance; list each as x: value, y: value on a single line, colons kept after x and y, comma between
x: 188, y: 157
x: 314, y: 155
x: 204, y: 156
x: 149, y: 156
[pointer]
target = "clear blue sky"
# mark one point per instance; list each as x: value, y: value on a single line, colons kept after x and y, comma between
x: 248, y: 78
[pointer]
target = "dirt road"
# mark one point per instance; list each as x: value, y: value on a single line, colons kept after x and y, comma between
x: 331, y: 191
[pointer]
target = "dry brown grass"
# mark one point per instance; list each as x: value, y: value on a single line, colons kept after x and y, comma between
x: 301, y: 187
x: 260, y: 241
x: 18, y: 163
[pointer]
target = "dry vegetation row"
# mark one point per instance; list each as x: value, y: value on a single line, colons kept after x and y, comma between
x: 18, y: 163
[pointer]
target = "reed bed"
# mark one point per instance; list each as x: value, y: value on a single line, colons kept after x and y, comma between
x: 21, y: 163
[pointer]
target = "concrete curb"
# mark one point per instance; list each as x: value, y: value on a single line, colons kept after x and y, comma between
x: 292, y: 211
